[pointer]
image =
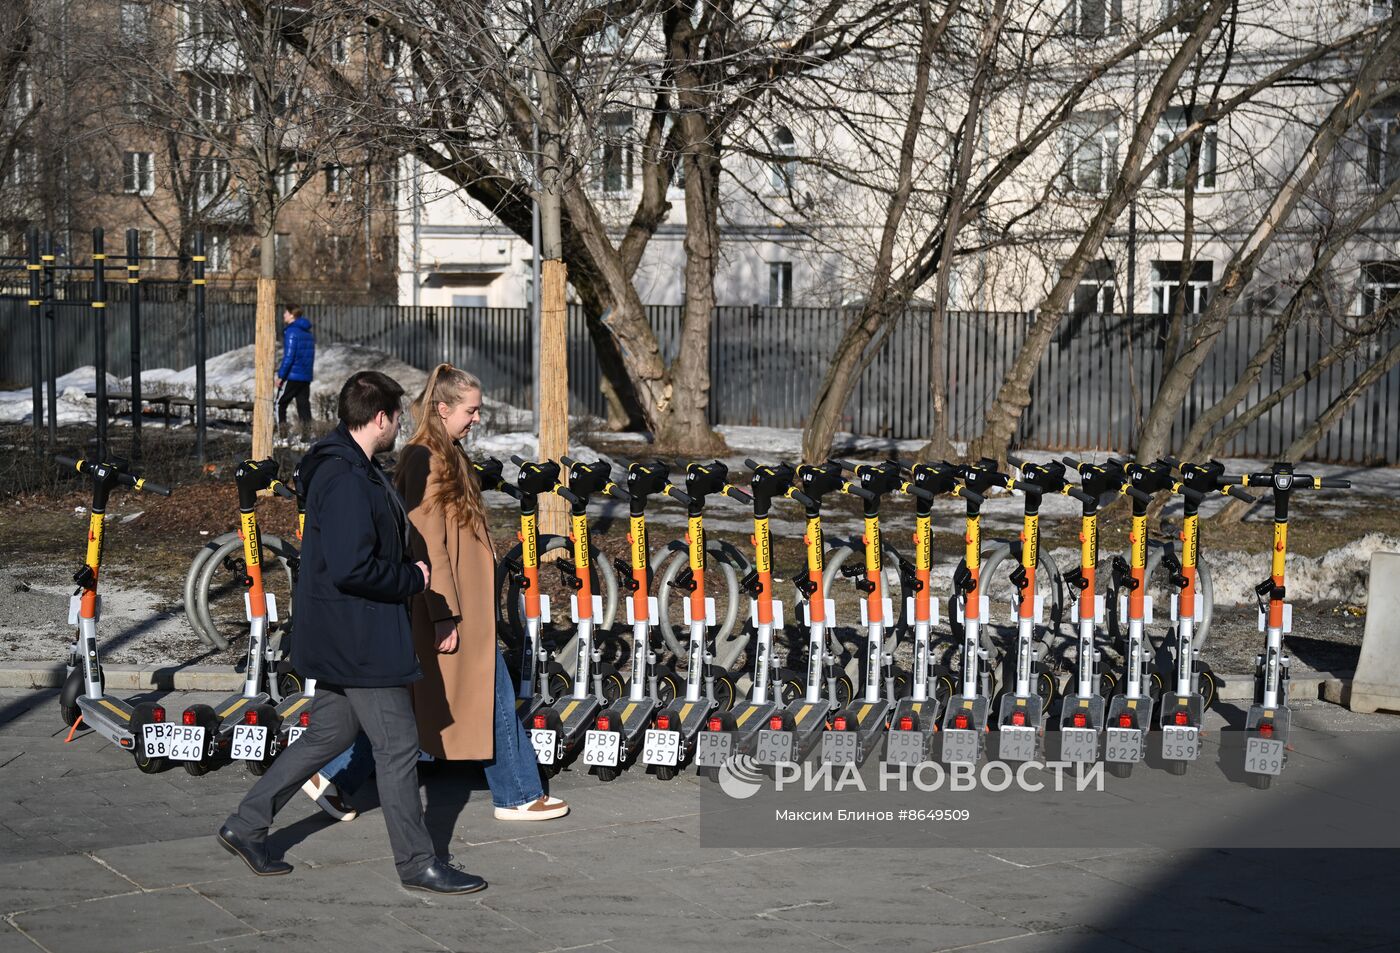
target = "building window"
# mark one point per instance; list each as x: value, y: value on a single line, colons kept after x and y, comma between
x: 1382, y: 149
x: 1381, y: 9
x: 1089, y: 19
x: 286, y: 178
x: 1094, y: 292
x: 145, y: 243
x: 340, y: 50
x: 211, y: 179
x: 1168, y: 286
x: 335, y: 179
x: 1171, y: 7
x: 139, y: 173
x: 616, y: 158
x: 389, y: 52
x: 216, y: 250
x: 213, y: 103
x: 139, y: 99
x: 23, y: 169
x: 1091, y: 144
x: 782, y: 176
x: 1380, y: 286
x: 135, y: 22
x: 780, y: 284
x: 21, y: 93
x: 1171, y: 174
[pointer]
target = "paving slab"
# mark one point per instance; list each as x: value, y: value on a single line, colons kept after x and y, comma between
x: 131, y: 923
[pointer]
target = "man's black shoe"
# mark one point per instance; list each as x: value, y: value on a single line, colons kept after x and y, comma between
x: 443, y: 878
x: 254, y: 855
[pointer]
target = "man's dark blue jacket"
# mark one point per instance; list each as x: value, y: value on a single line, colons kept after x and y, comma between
x: 298, y: 351
x: 353, y: 586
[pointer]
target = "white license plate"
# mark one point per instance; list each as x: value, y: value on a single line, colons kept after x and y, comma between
x: 906, y: 747
x: 602, y: 748
x: 661, y: 747
x: 294, y: 733
x: 774, y: 747
x: 1181, y: 743
x: 543, y: 741
x: 713, y: 748
x: 176, y: 742
x: 840, y: 747
x: 1080, y: 745
x: 1016, y: 744
x: 959, y: 746
x: 1263, y: 756
x: 1122, y: 745
x: 249, y: 743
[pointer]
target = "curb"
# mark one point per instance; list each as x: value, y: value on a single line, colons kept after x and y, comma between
x: 193, y: 678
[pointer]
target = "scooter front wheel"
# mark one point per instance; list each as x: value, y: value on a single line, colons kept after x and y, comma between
x: 668, y: 687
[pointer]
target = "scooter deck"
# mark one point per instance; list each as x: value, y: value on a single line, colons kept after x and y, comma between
x: 629, y: 720
x: 231, y: 709
x: 807, y: 721
x: 865, y: 726
x: 911, y: 745
x: 110, y: 717
x: 749, y: 720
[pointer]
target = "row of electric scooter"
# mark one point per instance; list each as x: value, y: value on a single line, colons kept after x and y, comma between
x: 670, y: 713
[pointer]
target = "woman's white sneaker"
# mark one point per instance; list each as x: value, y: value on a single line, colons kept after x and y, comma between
x: 545, y: 809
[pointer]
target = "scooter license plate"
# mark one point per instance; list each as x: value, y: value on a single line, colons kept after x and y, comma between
x: 1263, y: 756
x: 543, y: 740
x: 906, y: 747
x: 959, y: 746
x: 1016, y: 744
x: 661, y: 747
x: 294, y: 733
x: 840, y: 747
x: 1122, y: 745
x: 1181, y: 743
x: 249, y: 743
x: 1080, y: 745
x: 176, y: 742
x: 774, y: 747
x: 601, y: 748
x: 713, y: 748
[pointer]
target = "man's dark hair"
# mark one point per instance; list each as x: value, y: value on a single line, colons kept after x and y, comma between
x: 293, y: 309
x: 365, y: 394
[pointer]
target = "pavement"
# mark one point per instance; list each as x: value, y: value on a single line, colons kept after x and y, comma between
x: 96, y: 857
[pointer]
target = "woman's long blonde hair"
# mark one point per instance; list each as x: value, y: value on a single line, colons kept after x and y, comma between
x: 457, y: 491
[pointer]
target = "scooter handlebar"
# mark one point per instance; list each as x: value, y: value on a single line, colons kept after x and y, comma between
x: 146, y: 486
x: 676, y: 493
x: 798, y: 496
x: 616, y: 492
x: 843, y: 464
x: 856, y: 489
x: 1080, y: 495
x: 1142, y: 496
x: 567, y: 461
x: 1070, y: 462
x: 1332, y: 483
x: 71, y: 463
x: 281, y: 489
x: 971, y: 495
x: 516, y: 459
x: 1240, y: 494
x: 920, y: 493
x: 734, y: 493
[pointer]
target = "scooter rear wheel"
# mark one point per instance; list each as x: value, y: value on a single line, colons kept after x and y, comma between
x: 1261, y: 781
x: 607, y: 772
x: 1119, y: 769
x: 197, y: 768
x: 667, y: 772
x: 1176, y: 767
x: 150, y: 765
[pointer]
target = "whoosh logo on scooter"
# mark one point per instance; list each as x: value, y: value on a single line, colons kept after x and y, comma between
x: 763, y: 546
x: 251, y: 555
x: 529, y: 540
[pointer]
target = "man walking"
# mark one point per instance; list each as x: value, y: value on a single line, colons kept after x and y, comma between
x: 295, y: 372
x: 353, y: 637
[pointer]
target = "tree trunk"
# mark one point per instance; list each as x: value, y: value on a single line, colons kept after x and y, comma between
x: 264, y: 338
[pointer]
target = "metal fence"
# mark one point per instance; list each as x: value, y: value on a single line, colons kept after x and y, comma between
x: 1090, y: 390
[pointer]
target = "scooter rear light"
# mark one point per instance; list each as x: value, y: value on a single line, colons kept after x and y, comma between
x: 604, y: 723
x: 1126, y: 721
x: 961, y: 722
x: 1079, y: 720
x: 188, y: 717
x: 716, y: 724
x: 775, y: 723
x: 250, y: 717
x: 1181, y: 718
x: 541, y: 721
x: 838, y: 723
x: 1018, y: 718
x: 906, y: 723
x: 158, y: 713
x: 663, y: 722
x: 304, y: 719
x: 1266, y: 730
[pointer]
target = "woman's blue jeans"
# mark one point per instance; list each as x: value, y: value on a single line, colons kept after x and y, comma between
x: 513, y: 774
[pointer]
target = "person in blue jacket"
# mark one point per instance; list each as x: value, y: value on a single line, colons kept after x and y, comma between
x: 295, y: 372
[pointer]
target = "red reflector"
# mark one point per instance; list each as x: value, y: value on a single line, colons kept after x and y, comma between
x: 541, y: 720
x: 775, y: 723
x: 1079, y: 720
x: 250, y: 717
x: 1126, y: 721
x: 716, y: 724
x: 838, y: 723
x: 961, y: 721
x: 157, y: 714
x: 906, y: 723
x: 604, y: 723
x: 1181, y: 718
x: 188, y: 717
x: 1266, y: 730
x: 304, y: 719
x: 663, y: 722
x: 1018, y: 718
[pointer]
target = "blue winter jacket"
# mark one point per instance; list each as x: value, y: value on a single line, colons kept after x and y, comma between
x: 298, y: 351
x: 356, y: 577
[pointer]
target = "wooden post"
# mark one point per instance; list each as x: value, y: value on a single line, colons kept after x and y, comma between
x: 264, y: 334
x: 553, y: 383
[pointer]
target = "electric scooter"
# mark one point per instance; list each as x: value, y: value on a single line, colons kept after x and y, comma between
x: 698, y: 727
x: 965, y: 719
x: 915, y: 717
x: 558, y: 729
x: 141, y: 728
x: 1022, y: 713
x: 1130, y: 709
x: 759, y: 725
x: 1269, y: 720
x: 617, y: 734
x: 1082, y: 712
x: 1181, y: 711
x: 245, y: 726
